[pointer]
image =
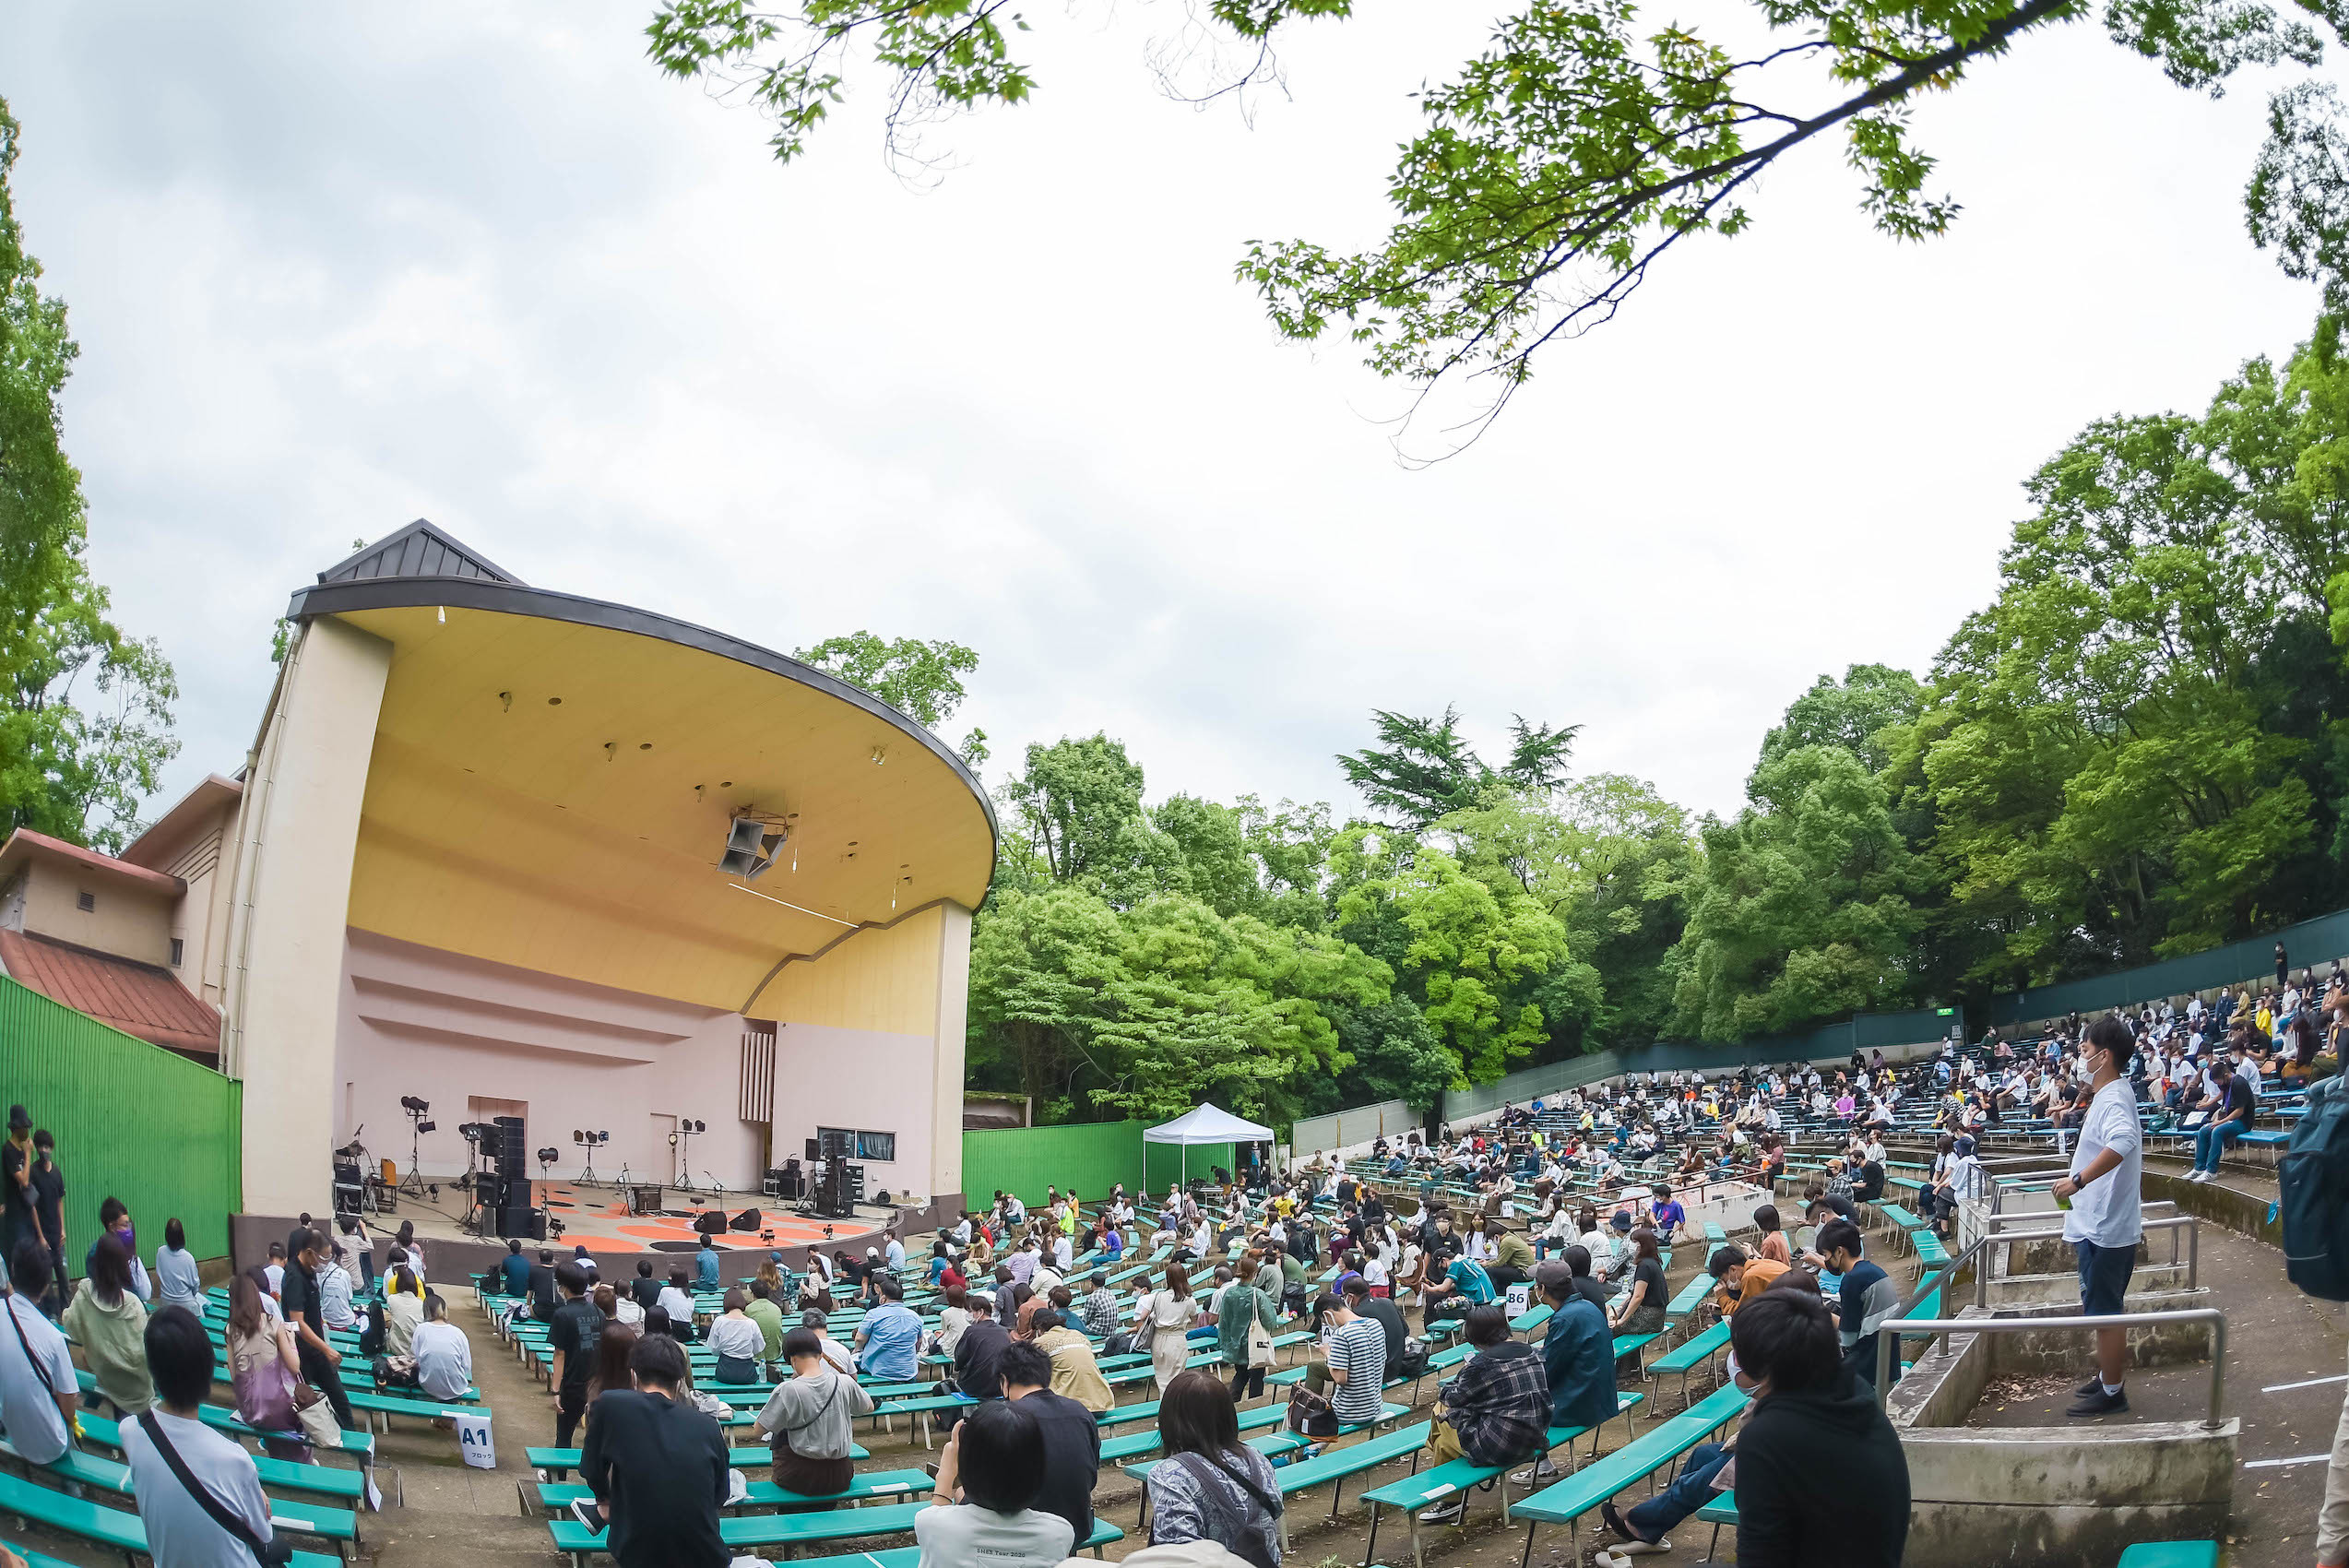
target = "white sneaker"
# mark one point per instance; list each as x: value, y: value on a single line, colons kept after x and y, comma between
x: 1532, y: 1473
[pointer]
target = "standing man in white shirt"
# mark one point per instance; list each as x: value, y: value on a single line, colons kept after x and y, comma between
x: 2103, y: 1197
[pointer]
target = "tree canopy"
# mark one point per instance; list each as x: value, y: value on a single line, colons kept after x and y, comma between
x: 1572, y: 154
x: 85, y: 710
x: 2139, y: 748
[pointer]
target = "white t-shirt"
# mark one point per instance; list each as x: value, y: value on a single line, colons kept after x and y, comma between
x: 34, y: 1425
x: 445, y: 1357
x: 969, y: 1536
x: 178, y: 1529
x: 2109, y: 1210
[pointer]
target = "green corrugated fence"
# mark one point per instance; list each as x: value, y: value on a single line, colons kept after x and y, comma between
x: 1090, y: 1157
x: 2312, y: 941
x: 132, y: 1121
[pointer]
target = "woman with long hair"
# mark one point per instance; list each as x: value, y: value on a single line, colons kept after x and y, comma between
x: 611, y: 1362
x: 264, y: 1367
x: 109, y: 1322
x: 1162, y: 1320
x: 1210, y: 1486
x: 1644, y: 1301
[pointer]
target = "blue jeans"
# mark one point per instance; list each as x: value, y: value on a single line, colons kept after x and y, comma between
x: 1690, y: 1491
x: 2210, y: 1144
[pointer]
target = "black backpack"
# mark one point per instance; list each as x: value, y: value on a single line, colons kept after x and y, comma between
x: 2313, y: 1176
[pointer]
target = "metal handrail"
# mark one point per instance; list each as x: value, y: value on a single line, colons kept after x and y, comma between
x: 1888, y: 1333
x: 2191, y: 1223
x: 2022, y: 1215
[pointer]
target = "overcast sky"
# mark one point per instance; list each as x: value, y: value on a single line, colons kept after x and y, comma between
x: 333, y: 268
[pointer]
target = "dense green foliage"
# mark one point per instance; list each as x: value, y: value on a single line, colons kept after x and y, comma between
x: 84, y: 711
x: 2140, y: 748
x: 1586, y: 140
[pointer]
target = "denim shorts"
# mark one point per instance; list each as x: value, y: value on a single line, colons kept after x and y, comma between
x: 2104, y: 1278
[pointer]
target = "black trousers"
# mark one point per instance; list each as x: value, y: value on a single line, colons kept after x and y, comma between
x: 570, y: 1404
x: 1249, y: 1378
x: 320, y: 1374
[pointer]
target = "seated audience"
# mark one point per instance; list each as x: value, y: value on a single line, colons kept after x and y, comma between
x: 1210, y: 1486
x: 109, y: 1322
x: 1495, y: 1411
x: 811, y: 1420
x: 984, y: 1514
x: 181, y: 1530
x: 1072, y: 1437
x: 657, y: 1467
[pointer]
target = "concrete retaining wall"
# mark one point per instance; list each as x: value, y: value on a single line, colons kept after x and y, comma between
x: 2062, y: 1496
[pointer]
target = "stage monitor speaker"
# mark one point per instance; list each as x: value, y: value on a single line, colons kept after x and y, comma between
x: 711, y: 1223
x: 747, y: 1220
x: 523, y: 1222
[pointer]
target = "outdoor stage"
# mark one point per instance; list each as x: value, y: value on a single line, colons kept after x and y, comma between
x: 598, y: 1218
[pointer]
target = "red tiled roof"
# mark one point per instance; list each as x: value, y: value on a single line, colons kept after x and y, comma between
x: 138, y: 999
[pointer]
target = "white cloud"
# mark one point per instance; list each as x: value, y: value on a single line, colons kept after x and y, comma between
x: 334, y: 273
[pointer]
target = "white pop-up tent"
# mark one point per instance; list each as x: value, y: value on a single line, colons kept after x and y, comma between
x: 1207, y: 1124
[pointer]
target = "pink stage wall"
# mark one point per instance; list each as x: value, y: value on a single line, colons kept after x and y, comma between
x: 863, y: 1080
x: 455, y: 1031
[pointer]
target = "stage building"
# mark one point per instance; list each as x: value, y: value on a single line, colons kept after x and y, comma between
x: 473, y: 858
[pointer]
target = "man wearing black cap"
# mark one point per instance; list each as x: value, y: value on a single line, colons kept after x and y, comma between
x: 17, y: 1220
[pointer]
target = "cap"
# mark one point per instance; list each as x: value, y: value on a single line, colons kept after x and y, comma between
x: 19, y: 1120
x: 1622, y: 1221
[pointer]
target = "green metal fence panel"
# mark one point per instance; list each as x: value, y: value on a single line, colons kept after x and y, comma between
x: 2322, y: 940
x: 132, y: 1121
x: 1091, y: 1156
x: 1865, y: 1032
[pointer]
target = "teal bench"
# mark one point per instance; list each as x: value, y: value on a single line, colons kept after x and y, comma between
x: 281, y: 1475
x: 118, y: 1529
x: 923, y: 1408
x: 1697, y: 1352
x: 77, y: 1469
x: 554, y: 1497
x: 1531, y: 1319
x: 1901, y: 1217
x: 1142, y: 1444
x: 1568, y: 1501
x: 1691, y: 1296
x: 390, y: 1404
x: 741, y: 1534
x: 1333, y: 1466
x: 2170, y: 1554
x: 1414, y: 1492
x: 1928, y: 1247
x: 1722, y: 1510
x: 554, y: 1464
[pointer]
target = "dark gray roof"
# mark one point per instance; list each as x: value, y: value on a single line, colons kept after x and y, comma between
x: 419, y: 549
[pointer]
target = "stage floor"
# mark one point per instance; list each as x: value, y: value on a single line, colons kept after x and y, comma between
x: 598, y: 1217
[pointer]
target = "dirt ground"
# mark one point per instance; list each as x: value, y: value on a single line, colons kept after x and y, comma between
x: 440, y: 1513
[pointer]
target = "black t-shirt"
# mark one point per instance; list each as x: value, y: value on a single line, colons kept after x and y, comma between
x: 979, y: 1360
x: 12, y: 1161
x: 1842, y: 1206
x: 660, y: 1468
x: 1072, y: 1458
x: 1592, y: 1290
x: 542, y: 1299
x: 1651, y: 1271
x: 49, y: 1199
x: 298, y: 1298
x: 577, y: 1325
x: 2240, y: 1097
x: 1871, y: 1180
x: 1390, y: 1318
x: 645, y: 1289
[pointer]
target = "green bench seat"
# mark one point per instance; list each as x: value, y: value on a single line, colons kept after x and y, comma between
x: 922, y: 1408
x: 83, y: 1469
x: 1569, y: 1499
x: 2170, y: 1554
x: 390, y: 1404
x: 742, y: 1533
x: 553, y: 1497
x: 1694, y: 1353
x: 556, y: 1463
x: 1334, y: 1465
x: 1928, y: 1247
x: 281, y: 1475
x: 117, y: 1530
x: 1414, y: 1492
x: 1901, y: 1217
x: 1722, y: 1510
